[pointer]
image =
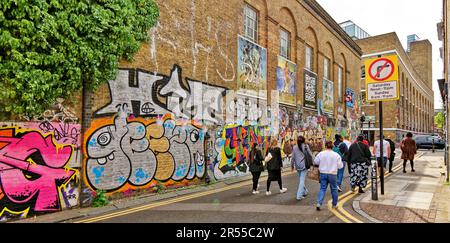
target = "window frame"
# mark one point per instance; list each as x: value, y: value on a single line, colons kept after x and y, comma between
x: 309, y: 64
x: 340, y: 84
x: 251, y: 32
x: 287, y: 41
x: 326, y: 68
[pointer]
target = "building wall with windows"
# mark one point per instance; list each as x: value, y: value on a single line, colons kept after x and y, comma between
x: 172, y: 95
x: 414, y: 111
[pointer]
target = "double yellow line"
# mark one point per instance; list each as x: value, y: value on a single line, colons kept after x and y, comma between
x: 343, y: 214
x: 167, y: 202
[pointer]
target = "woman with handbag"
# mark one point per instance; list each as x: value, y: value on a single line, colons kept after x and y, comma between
x: 256, y: 166
x: 274, y: 165
x: 329, y: 163
x: 302, y: 158
x: 359, y: 157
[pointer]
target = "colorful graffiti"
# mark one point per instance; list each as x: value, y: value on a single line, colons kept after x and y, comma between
x: 146, y: 94
x: 133, y: 153
x: 232, y: 149
x: 35, y: 174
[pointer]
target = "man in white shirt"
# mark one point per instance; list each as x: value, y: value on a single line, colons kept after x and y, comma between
x: 386, y: 152
x: 329, y: 163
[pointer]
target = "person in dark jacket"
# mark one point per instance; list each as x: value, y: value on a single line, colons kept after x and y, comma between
x: 359, y: 157
x: 274, y: 166
x: 256, y: 166
x: 392, y: 155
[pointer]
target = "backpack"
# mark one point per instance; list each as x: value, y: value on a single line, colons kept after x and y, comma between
x: 338, y: 151
x: 308, y: 157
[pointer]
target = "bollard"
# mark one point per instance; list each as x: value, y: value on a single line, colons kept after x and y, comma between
x: 374, y: 180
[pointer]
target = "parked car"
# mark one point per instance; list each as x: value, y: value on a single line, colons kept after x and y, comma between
x: 426, y: 142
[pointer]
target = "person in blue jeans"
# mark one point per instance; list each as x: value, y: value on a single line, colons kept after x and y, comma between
x: 341, y: 148
x: 329, y: 162
x: 298, y: 163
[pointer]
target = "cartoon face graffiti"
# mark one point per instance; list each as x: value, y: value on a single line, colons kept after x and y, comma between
x: 118, y: 154
x: 32, y: 168
x: 186, y: 140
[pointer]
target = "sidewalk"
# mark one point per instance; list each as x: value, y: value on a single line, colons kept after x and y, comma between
x: 420, y: 197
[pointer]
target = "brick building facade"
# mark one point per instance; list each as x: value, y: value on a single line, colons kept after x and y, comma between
x: 215, y: 78
x: 414, y: 111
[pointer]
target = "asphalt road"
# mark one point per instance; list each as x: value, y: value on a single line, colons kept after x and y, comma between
x: 240, y: 206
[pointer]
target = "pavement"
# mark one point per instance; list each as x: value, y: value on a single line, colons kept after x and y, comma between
x: 420, y: 197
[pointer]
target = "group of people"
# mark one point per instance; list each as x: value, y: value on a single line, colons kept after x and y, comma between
x: 331, y: 163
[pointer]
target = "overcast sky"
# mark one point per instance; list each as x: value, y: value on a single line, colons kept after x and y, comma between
x: 402, y: 16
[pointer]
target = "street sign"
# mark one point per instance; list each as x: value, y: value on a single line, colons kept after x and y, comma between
x: 382, y: 82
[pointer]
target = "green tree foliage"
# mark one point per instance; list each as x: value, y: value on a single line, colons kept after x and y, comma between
x: 49, y: 48
x: 439, y: 120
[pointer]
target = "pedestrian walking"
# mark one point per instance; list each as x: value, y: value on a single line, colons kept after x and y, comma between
x: 287, y: 150
x: 359, y: 158
x: 329, y: 163
x: 347, y: 142
x: 274, y: 166
x: 392, y: 155
x: 409, y: 150
x: 382, y: 157
x: 256, y: 166
x: 302, y: 159
x: 340, y: 148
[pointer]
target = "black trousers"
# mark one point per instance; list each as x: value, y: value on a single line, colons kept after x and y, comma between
x: 256, y: 176
x: 391, y: 162
x: 405, y: 162
x: 274, y: 176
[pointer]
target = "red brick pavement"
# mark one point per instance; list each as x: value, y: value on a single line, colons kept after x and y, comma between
x: 393, y: 214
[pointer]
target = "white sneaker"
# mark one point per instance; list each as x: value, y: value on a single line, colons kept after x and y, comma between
x: 268, y: 193
x: 283, y: 190
x: 255, y: 192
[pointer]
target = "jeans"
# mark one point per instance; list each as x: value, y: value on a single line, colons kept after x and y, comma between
x: 340, y: 175
x: 256, y: 176
x: 326, y: 179
x: 302, y: 191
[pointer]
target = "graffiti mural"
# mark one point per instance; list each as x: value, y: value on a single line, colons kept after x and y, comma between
x: 146, y: 94
x: 35, y: 173
x: 232, y: 149
x: 133, y: 153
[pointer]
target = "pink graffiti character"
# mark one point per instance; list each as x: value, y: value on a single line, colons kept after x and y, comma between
x: 32, y: 166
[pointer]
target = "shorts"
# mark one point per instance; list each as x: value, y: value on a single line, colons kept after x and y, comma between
x: 384, y: 162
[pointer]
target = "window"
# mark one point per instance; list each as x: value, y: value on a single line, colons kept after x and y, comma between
x: 251, y: 23
x: 340, y: 84
x: 326, y: 68
x: 309, y: 55
x: 285, y: 43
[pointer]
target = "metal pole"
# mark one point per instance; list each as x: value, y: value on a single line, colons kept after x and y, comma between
x: 381, y: 149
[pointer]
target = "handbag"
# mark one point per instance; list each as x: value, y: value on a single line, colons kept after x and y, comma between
x: 267, y: 159
x: 314, y: 174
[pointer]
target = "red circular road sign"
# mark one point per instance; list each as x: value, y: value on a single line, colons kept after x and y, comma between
x: 381, y: 69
